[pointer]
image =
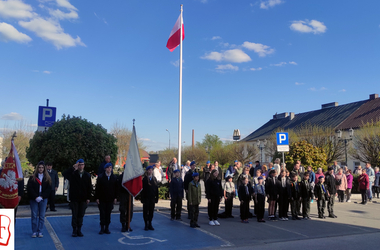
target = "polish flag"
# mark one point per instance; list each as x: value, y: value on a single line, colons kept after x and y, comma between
x: 133, y: 170
x: 174, y: 41
x: 8, y: 183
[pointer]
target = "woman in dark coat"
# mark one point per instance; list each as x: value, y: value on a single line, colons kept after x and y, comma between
x: 149, y: 196
x: 39, y: 188
x: 214, y: 194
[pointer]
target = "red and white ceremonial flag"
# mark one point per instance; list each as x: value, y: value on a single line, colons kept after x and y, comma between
x: 174, y: 40
x: 8, y: 183
x: 19, y: 174
x: 132, y: 178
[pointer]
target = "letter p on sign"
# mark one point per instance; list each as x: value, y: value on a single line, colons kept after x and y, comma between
x: 282, y: 138
x: 46, y: 112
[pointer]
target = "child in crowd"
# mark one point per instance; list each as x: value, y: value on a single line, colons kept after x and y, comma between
x: 271, y: 185
x: 214, y: 194
x: 229, y: 193
x: 194, y: 194
x: 321, y: 195
x: 295, y: 198
x: 259, y: 193
x: 284, y: 195
x: 245, y: 194
x: 306, y: 195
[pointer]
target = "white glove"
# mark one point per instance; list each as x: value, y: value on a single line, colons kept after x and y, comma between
x: 38, y: 199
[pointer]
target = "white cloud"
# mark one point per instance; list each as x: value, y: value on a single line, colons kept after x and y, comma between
x: 51, y: 31
x: 307, y: 26
x: 12, y: 116
x: 216, y: 38
x: 256, y: 69
x: 66, y: 4
x: 33, y: 125
x: 227, y: 67
x: 299, y: 83
x: 315, y: 89
x: 63, y: 15
x: 279, y: 64
x: 261, y: 49
x: 47, y: 72
x: 15, y: 9
x: 270, y: 3
x: 144, y: 139
x: 342, y: 90
x: 233, y: 55
x: 176, y: 63
x: 10, y: 33
x: 293, y: 63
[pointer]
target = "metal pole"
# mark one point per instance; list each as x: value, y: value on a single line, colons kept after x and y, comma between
x: 345, y: 148
x: 283, y: 157
x: 180, y: 93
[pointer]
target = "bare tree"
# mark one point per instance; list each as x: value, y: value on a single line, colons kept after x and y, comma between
x: 167, y: 155
x: 366, y: 144
x: 198, y: 154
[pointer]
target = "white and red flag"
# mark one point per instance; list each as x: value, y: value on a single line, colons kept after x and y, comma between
x: 8, y: 181
x: 133, y: 171
x: 174, y: 38
x: 19, y: 174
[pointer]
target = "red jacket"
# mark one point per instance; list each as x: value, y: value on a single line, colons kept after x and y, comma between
x: 363, y: 181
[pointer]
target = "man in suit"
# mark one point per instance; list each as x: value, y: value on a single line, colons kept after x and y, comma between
x: 54, y: 186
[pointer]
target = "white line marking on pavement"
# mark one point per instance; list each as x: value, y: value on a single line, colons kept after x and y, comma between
x: 267, y: 224
x: 53, y: 235
x: 226, y: 243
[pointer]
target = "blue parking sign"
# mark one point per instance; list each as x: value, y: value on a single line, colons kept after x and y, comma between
x: 46, y: 116
x: 282, y: 138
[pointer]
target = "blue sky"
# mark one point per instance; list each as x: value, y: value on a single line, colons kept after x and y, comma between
x: 243, y: 61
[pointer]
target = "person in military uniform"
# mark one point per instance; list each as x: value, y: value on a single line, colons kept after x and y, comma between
x: 149, y: 197
x: 124, y: 205
x: 321, y: 195
x: 106, y: 190
x: 306, y: 195
x: 80, y: 194
x: 188, y: 178
x: 295, y: 198
x: 331, y: 188
x: 176, y: 195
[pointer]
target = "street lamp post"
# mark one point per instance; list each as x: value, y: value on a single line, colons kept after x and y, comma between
x: 169, y: 137
x: 346, y: 140
x: 261, y: 145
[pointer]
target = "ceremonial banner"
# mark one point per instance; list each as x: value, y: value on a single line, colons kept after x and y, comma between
x: 8, y: 183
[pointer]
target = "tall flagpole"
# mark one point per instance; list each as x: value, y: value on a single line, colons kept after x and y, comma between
x: 180, y: 93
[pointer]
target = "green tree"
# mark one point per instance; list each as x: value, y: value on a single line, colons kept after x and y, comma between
x: 167, y: 155
x: 70, y: 139
x: 210, y: 141
x: 366, y: 144
x: 308, y: 154
x: 198, y: 154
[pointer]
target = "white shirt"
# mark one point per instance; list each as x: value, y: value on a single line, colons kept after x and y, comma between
x: 157, y: 173
x: 40, y: 176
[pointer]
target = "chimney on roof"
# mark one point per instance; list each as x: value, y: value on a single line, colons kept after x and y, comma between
x: 291, y: 115
x: 373, y: 96
x: 329, y: 105
x: 280, y: 116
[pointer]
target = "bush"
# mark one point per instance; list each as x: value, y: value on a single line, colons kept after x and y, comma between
x: 163, y: 191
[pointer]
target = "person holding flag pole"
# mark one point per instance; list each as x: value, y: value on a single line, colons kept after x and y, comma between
x: 131, y: 181
x: 175, y: 39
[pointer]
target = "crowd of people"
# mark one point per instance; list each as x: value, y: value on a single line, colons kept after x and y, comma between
x: 273, y: 184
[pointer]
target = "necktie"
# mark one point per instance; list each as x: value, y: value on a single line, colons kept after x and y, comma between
x: 246, y: 190
x: 262, y: 189
x: 296, y: 186
x: 323, y: 187
x: 283, y: 182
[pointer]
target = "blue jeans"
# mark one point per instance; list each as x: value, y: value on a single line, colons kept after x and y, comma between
x: 369, y: 192
x: 38, y: 215
x: 236, y: 190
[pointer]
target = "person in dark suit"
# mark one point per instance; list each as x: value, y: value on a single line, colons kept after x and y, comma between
x: 295, y: 198
x: 124, y: 205
x: 80, y: 194
x: 106, y: 190
x: 54, y: 186
x: 107, y: 159
x: 149, y: 196
x: 306, y: 195
x: 321, y: 195
x: 189, y: 178
x: 271, y: 189
x: 331, y: 188
x: 284, y: 195
x: 245, y: 194
x: 176, y: 195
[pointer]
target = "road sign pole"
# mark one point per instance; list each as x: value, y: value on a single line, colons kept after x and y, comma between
x: 283, y: 157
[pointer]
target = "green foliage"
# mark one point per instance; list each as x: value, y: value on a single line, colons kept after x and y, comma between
x: 308, y: 154
x: 210, y: 141
x: 70, y: 139
x: 167, y: 155
x: 163, y: 191
x: 197, y: 154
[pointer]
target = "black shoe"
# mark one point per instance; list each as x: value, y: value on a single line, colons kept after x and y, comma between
x: 179, y: 219
x: 74, y: 234
x: 192, y: 226
x: 107, y: 230
x: 298, y: 218
x: 172, y: 219
x: 101, y: 229
x: 294, y: 218
x: 146, y: 226
x: 79, y: 232
x: 197, y: 225
x: 53, y: 210
x: 150, y: 227
x: 332, y: 216
x: 320, y: 217
x: 324, y: 217
x: 231, y: 216
x: 123, y: 227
